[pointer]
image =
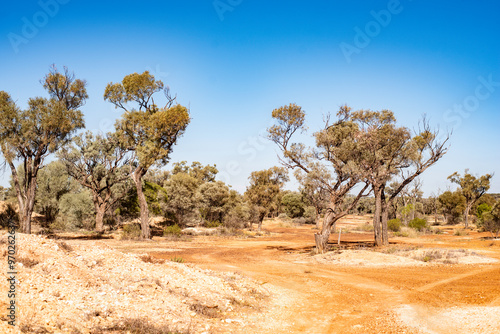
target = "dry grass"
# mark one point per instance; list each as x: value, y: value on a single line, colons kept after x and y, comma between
x: 150, y: 259
x: 27, y: 262
x: 207, y: 311
x: 136, y: 326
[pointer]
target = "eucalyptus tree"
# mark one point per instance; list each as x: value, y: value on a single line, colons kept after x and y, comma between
x: 390, y: 150
x: 334, y: 164
x: 101, y: 164
x: 314, y: 191
x: 149, y: 131
x: 265, y: 188
x: 29, y: 136
x: 472, y: 188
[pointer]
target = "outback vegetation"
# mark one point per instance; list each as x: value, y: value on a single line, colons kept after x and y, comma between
x: 361, y: 179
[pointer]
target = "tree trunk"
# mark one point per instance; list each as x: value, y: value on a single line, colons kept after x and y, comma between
x: 321, y: 238
x: 466, y: 215
x: 318, y: 221
x: 143, y: 204
x: 377, y: 230
x: 99, y: 217
x: 384, y: 218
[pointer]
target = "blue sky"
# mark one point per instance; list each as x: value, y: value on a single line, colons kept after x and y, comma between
x: 232, y: 62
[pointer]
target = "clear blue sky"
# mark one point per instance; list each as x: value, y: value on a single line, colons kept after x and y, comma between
x: 233, y: 61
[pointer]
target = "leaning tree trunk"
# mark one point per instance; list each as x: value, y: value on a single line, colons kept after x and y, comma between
x: 321, y: 238
x: 143, y: 204
x: 318, y: 220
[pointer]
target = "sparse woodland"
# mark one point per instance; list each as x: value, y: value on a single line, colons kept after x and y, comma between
x: 363, y: 163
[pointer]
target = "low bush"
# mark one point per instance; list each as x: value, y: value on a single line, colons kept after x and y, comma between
x: 418, y: 224
x: 213, y: 224
x: 299, y: 220
x: 283, y: 216
x: 406, y: 232
x: 131, y: 232
x: 173, y: 230
x: 394, y: 225
x: 310, y: 215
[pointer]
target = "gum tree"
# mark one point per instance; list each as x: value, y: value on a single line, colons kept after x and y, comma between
x: 29, y: 136
x: 334, y: 164
x: 147, y: 130
x: 265, y: 188
x: 472, y: 188
x: 390, y: 150
x: 99, y: 163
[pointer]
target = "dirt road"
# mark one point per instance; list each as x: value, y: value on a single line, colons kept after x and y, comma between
x: 328, y: 298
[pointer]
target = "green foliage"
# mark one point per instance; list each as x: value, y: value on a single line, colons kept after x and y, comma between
x: 131, y: 232
x: 394, y: 225
x: 241, y: 215
x: 471, y: 188
x: 293, y: 204
x: 154, y: 193
x: 99, y: 163
x: 310, y: 215
x: 174, y: 230
x: 180, y: 196
x: 213, y: 200
x: 452, y: 205
x: 213, y: 224
x: 265, y: 188
x: 481, y: 209
x: 491, y: 220
x: 77, y: 209
x: 151, y: 131
x: 418, y: 224
x: 177, y: 259
x: 41, y: 129
x: 53, y: 183
x: 196, y: 170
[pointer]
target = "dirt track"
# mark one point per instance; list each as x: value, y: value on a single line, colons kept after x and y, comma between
x: 344, y: 299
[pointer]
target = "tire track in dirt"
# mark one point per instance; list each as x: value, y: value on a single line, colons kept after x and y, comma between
x: 455, y: 278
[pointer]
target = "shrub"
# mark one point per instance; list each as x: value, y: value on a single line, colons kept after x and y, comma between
x: 310, y: 215
x: 459, y: 232
x: 131, y: 231
x: 213, y: 224
x: 283, y: 216
x: 394, y: 225
x: 299, y: 220
x: 177, y: 259
x: 418, y: 224
x: 406, y: 232
x: 172, y: 230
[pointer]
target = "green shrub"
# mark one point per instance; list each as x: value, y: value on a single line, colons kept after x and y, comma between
x: 172, y: 230
x: 213, y: 224
x: 310, y: 215
x: 131, y: 231
x: 394, y: 225
x: 177, y: 259
x: 418, y: 224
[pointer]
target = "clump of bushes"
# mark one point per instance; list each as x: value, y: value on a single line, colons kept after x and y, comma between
x: 310, y: 215
x: 406, y: 232
x: 418, y: 224
x: 213, y: 224
x: 173, y: 230
x: 394, y: 225
x: 131, y: 232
